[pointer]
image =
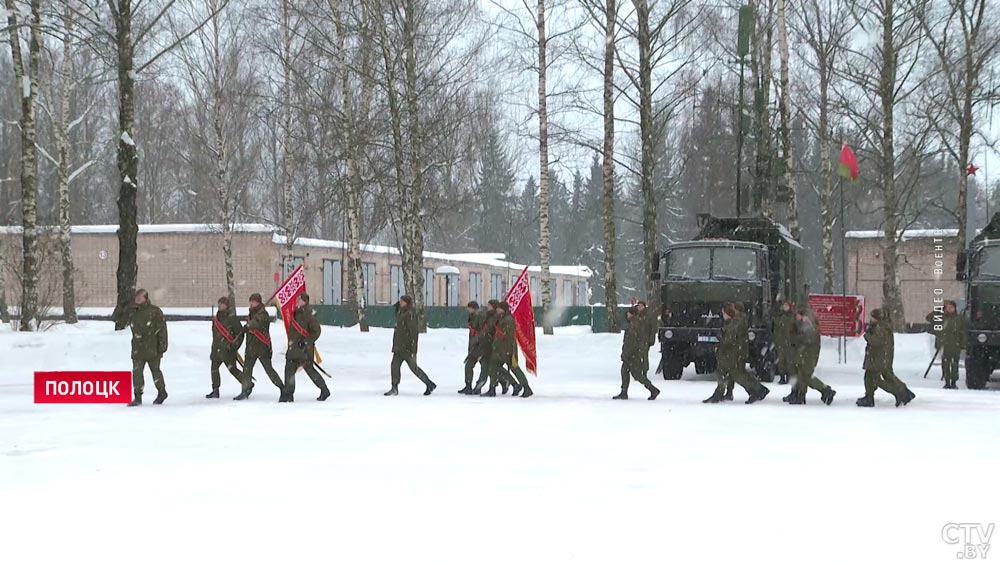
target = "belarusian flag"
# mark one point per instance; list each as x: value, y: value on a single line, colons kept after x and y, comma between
x: 519, y: 299
x: 848, y: 163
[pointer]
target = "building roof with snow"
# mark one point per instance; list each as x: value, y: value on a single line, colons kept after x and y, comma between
x: 907, y: 234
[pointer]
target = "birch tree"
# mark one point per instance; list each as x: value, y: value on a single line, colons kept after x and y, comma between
x: 788, y: 157
x: 965, y: 36
x: 26, y: 67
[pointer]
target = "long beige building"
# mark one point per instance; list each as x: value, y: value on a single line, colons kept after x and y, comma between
x: 926, y: 269
x: 182, y: 266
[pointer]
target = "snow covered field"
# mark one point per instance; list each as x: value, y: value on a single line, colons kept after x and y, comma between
x: 568, y: 475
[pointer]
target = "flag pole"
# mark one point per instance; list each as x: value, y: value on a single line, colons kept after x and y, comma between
x: 843, y: 271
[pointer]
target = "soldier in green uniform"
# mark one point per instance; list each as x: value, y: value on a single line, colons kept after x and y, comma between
x: 227, y: 337
x: 486, y: 345
x: 741, y: 315
x: 258, y: 330
x: 303, y: 332
x: 803, y: 349
x: 149, y: 343
x: 504, y: 352
x: 404, y: 347
x: 784, y: 322
x: 951, y: 341
x: 650, y: 324
x: 732, y: 354
x: 635, y: 354
x: 878, y: 363
x: 477, y: 326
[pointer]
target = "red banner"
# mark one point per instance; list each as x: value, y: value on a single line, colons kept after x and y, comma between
x: 519, y: 299
x: 839, y: 315
x: 288, y: 293
x: 83, y: 387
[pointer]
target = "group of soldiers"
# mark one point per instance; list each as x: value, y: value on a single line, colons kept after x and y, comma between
x: 492, y: 345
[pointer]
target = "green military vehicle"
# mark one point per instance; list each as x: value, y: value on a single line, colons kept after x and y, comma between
x: 979, y: 268
x: 751, y: 261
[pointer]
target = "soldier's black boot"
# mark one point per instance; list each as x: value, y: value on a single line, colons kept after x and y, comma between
x: 324, y: 394
x: 491, y: 393
x: 622, y: 396
x: 866, y: 402
x: 905, y: 398
x: 160, y: 397
x: 467, y: 390
x: 391, y: 392
x: 759, y: 395
x: 783, y: 380
x: 431, y: 386
x: 526, y: 392
x: 715, y: 398
x: 503, y: 386
x: 788, y: 398
x: 797, y: 399
x: 214, y: 394
x: 515, y: 389
x: 827, y: 395
x: 653, y: 392
x: 136, y: 400
x: 242, y: 396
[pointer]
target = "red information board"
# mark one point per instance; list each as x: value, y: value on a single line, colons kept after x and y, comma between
x: 835, y: 313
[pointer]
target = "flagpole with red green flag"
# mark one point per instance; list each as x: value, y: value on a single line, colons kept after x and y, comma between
x: 848, y: 168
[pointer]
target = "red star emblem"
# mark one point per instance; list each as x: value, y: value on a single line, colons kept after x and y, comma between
x: 971, y: 170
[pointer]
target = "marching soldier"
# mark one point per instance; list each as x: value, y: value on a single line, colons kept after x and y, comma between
x: 503, y: 352
x: 732, y: 354
x: 404, y: 347
x: 149, y: 343
x: 650, y: 324
x: 741, y: 316
x: 227, y: 337
x: 635, y: 354
x: 477, y: 325
x: 784, y: 322
x: 804, y: 350
x: 486, y: 345
x: 951, y: 341
x: 878, y: 363
x: 258, y: 328
x: 302, y: 336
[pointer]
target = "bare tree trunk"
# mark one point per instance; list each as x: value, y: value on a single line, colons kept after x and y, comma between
x: 826, y: 169
x: 786, y: 135
x: 287, y: 212
x: 544, y: 235
x: 61, y: 134
x: 761, y: 65
x: 26, y: 76
x: 4, y: 313
x: 892, y: 300
x: 647, y: 167
x: 128, y: 165
x: 355, y: 183
x: 223, y: 193
x: 608, y: 175
x: 413, y: 220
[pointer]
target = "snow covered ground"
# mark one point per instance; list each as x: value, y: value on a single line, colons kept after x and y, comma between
x: 568, y: 475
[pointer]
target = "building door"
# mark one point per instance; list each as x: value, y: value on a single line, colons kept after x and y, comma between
x: 369, y: 274
x: 496, y: 286
x: 451, y: 286
x: 475, y: 287
x: 396, y: 289
x: 428, y: 287
x: 332, y: 282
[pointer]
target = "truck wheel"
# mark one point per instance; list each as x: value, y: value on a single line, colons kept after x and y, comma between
x: 701, y: 366
x: 977, y: 372
x: 672, y: 368
x: 765, y: 369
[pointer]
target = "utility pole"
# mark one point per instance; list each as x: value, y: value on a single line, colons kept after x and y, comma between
x: 746, y: 26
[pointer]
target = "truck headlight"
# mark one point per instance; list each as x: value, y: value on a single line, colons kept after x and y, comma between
x: 668, y: 334
x: 752, y: 336
x: 981, y: 338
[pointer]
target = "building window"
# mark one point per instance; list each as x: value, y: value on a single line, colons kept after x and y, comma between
x: 582, y: 297
x: 475, y: 287
x: 332, y: 282
x: 568, y: 295
x: 428, y: 287
x: 289, y: 263
x: 533, y: 284
x: 396, y: 288
x: 497, y: 290
x: 451, y: 290
x: 368, y: 268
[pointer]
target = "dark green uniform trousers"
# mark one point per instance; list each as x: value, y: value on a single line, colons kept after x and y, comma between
x: 265, y: 361
x: 804, y: 380
x: 635, y: 370
x: 139, y: 380
x: 291, y: 366
x: 884, y: 380
x: 470, y: 368
x: 949, y: 366
x: 727, y: 377
x: 411, y: 362
x: 231, y: 366
x: 499, y: 372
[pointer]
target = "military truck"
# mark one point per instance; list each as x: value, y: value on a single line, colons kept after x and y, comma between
x: 979, y: 268
x: 751, y: 261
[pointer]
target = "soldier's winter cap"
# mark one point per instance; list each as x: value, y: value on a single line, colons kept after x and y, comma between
x: 877, y: 314
x: 643, y: 303
x: 224, y: 301
x: 730, y: 309
x: 142, y: 292
x: 505, y: 306
x: 406, y: 299
x: 256, y: 297
x: 494, y: 303
x: 473, y: 305
x: 304, y: 296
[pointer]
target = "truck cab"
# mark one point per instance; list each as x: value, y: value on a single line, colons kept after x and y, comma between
x: 980, y: 269
x: 746, y: 261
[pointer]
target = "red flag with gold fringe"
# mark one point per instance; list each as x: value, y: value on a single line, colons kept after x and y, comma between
x: 519, y: 299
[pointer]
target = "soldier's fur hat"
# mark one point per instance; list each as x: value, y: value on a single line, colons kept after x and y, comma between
x: 877, y: 314
x: 406, y: 299
x: 473, y: 305
x: 505, y: 306
x: 493, y: 303
x: 256, y: 297
x: 305, y: 297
